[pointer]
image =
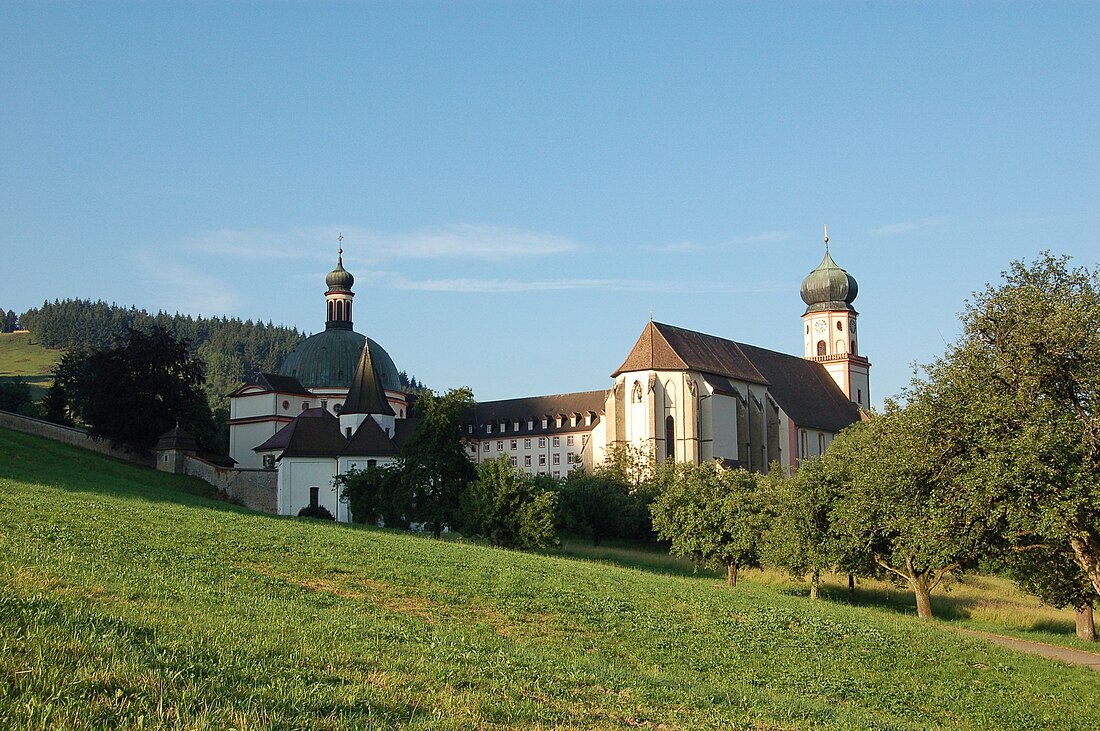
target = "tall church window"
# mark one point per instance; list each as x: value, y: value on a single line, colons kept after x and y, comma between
x: 348, y: 311
x: 331, y: 312
x: 853, y: 347
x: 821, y: 347
x: 636, y: 393
x: 670, y: 438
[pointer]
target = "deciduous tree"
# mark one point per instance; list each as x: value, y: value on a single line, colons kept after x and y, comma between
x: 434, y: 459
x: 713, y: 515
x: 508, y: 509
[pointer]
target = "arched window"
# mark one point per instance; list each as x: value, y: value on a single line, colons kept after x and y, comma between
x: 821, y: 347
x: 636, y: 393
x: 670, y: 438
x: 854, y: 347
x: 348, y: 311
x: 839, y: 347
x: 331, y: 310
x: 839, y: 325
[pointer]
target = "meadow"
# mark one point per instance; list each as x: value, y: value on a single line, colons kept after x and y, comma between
x: 130, y: 599
x: 21, y: 357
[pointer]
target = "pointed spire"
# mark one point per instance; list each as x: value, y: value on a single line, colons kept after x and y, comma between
x: 366, y: 395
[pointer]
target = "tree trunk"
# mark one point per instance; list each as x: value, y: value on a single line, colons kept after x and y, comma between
x: 1086, y: 551
x: 919, y: 584
x: 731, y: 575
x: 1086, y: 626
x: 851, y: 589
x: 815, y: 581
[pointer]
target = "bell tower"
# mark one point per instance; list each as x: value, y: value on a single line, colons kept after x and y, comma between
x: 830, y: 333
x: 339, y: 294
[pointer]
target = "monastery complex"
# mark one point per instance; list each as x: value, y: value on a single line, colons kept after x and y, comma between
x: 336, y: 402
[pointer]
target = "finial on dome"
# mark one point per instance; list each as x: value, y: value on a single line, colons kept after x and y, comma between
x: 340, y: 249
x: 826, y: 238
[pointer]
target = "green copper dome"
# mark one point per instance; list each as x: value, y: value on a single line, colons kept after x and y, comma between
x: 829, y: 287
x: 339, y: 278
x: 328, y: 359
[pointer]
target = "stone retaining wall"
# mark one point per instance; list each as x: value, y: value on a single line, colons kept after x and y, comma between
x: 73, y: 437
x: 254, y: 489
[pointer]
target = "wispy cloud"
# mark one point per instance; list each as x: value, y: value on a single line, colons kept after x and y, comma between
x: 904, y: 227
x: 454, y: 241
x: 178, y: 287
x: 491, y: 286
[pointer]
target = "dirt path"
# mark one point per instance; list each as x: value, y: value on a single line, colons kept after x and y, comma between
x: 1054, y: 652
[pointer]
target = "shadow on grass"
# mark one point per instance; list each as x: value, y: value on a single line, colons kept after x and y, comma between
x: 639, y: 555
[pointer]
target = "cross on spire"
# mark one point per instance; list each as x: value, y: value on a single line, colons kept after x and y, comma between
x: 340, y: 249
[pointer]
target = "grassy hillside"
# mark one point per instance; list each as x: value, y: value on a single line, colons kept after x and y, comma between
x: 128, y: 600
x: 20, y: 357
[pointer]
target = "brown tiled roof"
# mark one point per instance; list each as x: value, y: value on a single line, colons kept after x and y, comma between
x: 370, y: 440
x: 283, y: 384
x: 804, y: 390
x: 663, y: 347
x: 178, y: 439
x: 281, y: 438
x: 272, y: 382
x: 314, y: 438
x: 534, y: 408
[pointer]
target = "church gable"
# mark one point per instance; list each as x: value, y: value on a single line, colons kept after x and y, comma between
x: 652, y: 352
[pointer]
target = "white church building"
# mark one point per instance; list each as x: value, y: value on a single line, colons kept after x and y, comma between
x: 337, y: 403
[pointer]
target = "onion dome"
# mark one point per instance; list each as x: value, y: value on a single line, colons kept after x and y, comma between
x: 339, y: 278
x: 829, y: 287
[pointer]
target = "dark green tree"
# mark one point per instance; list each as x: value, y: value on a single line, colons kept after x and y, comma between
x: 434, y: 460
x: 378, y: 494
x: 136, y: 391
x: 508, y: 509
x: 596, y: 505
x: 15, y: 396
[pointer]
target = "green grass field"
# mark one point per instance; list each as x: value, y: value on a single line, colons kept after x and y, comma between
x: 130, y: 600
x: 977, y: 602
x: 20, y: 357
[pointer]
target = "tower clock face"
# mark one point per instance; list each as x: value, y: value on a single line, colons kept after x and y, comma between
x: 820, y: 326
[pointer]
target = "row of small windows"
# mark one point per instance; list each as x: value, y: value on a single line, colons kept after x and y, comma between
x: 555, y: 441
x: 559, y: 421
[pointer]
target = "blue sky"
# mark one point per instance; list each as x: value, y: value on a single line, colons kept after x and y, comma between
x: 520, y: 183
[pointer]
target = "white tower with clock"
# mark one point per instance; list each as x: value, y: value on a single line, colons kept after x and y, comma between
x: 830, y: 331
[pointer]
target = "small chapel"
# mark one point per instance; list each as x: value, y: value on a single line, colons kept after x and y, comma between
x: 336, y: 402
